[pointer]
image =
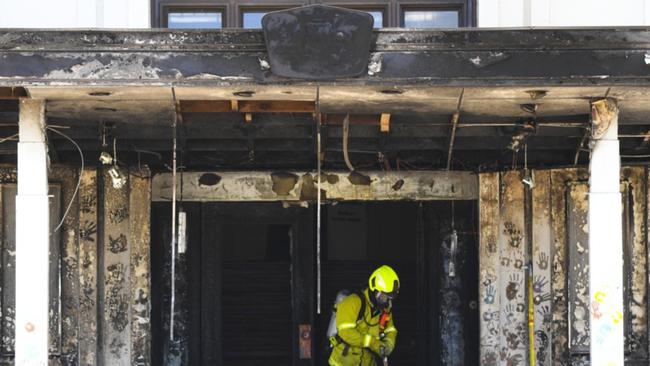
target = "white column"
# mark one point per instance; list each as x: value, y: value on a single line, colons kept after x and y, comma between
x: 605, y: 238
x: 32, y: 237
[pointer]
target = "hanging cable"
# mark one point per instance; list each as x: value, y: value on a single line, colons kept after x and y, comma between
x: 318, y: 201
x: 346, y: 135
x: 81, y: 169
x: 173, y: 242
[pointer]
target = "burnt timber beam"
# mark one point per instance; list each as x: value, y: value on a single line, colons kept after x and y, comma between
x: 300, y: 186
x: 246, y: 106
x: 466, y: 57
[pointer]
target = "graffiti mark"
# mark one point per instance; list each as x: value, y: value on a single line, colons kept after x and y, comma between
x: 490, y: 358
x: 490, y: 293
x: 600, y: 296
x: 491, y: 319
x: 545, y: 312
x: 514, y: 360
x: 509, y: 312
x: 513, y: 287
x: 492, y: 244
x: 117, y: 245
x: 542, y: 260
x: 521, y: 308
x: 513, y: 340
x: 541, y: 347
x: 88, y: 199
x: 117, y: 302
x: 539, y: 282
x: 118, y: 215
x: 514, y: 234
x: 519, y: 264
x: 538, y: 299
x: 505, y: 262
x: 87, y: 231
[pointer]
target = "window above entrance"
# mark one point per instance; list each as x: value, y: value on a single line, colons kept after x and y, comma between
x: 215, y: 14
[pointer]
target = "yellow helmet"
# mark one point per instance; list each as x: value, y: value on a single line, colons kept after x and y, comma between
x: 384, y: 279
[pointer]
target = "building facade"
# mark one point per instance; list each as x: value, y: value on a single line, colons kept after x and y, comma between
x: 171, y: 196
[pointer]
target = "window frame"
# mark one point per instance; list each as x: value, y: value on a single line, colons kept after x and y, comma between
x: 403, y: 8
x: 393, y: 11
x: 261, y: 7
x: 166, y: 9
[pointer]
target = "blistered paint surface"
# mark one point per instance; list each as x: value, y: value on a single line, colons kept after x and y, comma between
x: 116, y: 276
x: 88, y: 268
x: 451, y: 302
x: 578, y: 269
x: 542, y: 245
x: 140, y: 203
x: 490, y: 311
x: 512, y: 241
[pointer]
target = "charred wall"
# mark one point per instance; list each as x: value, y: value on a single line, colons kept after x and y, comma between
x: 99, y: 268
x: 534, y: 266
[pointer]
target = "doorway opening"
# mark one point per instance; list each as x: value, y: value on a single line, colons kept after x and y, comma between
x: 246, y: 286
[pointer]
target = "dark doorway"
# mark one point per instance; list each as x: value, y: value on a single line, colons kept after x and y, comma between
x: 409, y: 236
x: 242, y: 288
x: 246, y: 283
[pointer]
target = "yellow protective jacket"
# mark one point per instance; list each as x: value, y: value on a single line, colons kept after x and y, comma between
x: 358, y: 335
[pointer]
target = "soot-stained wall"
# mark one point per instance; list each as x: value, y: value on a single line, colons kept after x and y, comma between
x: 100, y: 268
x: 537, y: 254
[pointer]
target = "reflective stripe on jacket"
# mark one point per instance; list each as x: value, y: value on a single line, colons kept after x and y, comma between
x: 357, y: 335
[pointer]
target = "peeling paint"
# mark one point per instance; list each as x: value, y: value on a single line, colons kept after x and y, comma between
x: 139, y: 205
x: 209, y: 179
x: 116, y: 275
x: 124, y: 66
x: 578, y: 285
x: 259, y: 186
x: 283, y: 182
x: 359, y: 179
x: 88, y: 269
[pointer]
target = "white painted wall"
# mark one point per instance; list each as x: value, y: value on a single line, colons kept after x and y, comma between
x: 74, y: 14
x: 562, y: 13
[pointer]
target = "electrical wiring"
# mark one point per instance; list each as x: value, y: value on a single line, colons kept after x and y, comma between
x: 8, y: 138
x: 346, y: 135
x: 76, y: 190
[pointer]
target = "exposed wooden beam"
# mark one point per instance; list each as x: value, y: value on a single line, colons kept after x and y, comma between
x: 277, y: 106
x: 205, y: 106
x: 384, y: 123
x: 299, y: 186
x: 355, y: 119
x: 246, y: 106
x: 12, y: 92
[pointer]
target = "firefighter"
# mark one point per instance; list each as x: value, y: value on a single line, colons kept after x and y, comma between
x: 366, y: 333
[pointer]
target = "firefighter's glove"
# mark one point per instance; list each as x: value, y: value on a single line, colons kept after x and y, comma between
x: 377, y: 345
